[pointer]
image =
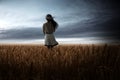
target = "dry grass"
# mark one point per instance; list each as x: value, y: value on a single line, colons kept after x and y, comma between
x: 64, y: 62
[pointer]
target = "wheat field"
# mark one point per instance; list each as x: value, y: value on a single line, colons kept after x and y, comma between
x: 64, y: 62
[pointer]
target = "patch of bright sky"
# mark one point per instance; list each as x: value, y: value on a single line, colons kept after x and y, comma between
x: 88, y: 40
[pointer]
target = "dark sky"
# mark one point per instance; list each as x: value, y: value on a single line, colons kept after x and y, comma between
x: 23, y: 19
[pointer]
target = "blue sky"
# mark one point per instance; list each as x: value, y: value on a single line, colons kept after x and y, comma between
x: 23, y: 19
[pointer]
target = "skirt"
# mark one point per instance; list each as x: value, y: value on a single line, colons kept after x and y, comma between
x: 50, y: 40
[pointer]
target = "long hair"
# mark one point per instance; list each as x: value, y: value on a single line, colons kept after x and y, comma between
x: 49, y: 18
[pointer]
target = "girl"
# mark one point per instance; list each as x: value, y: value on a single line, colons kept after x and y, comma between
x: 48, y: 29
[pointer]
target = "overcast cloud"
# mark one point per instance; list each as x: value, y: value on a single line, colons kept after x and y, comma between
x: 23, y: 19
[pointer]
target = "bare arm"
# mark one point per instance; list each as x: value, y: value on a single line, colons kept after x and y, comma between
x: 43, y: 28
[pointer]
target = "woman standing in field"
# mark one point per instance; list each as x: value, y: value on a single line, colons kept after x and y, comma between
x: 48, y: 29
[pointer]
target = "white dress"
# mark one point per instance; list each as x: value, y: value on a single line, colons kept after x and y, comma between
x: 50, y: 40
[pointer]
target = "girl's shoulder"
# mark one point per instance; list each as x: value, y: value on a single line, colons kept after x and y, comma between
x: 45, y: 24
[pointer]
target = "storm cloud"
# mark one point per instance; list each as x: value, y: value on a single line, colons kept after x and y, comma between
x: 23, y: 19
x: 108, y: 28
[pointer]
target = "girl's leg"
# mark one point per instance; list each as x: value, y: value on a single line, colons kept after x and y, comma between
x: 48, y: 47
x: 51, y: 46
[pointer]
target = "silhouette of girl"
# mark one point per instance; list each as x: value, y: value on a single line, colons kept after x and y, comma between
x: 48, y: 29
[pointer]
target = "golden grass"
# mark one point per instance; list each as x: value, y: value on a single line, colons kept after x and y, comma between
x: 64, y: 62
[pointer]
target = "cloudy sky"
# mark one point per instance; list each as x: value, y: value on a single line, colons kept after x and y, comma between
x: 23, y: 19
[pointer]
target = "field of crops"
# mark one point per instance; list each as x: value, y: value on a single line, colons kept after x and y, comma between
x: 64, y: 62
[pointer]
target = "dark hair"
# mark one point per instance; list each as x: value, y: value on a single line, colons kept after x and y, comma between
x: 50, y: 18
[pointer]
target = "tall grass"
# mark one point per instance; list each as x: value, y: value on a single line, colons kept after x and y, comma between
x: 64, y: 62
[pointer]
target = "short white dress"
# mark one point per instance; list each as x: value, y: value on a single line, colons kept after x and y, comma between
x: 50, y: 40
